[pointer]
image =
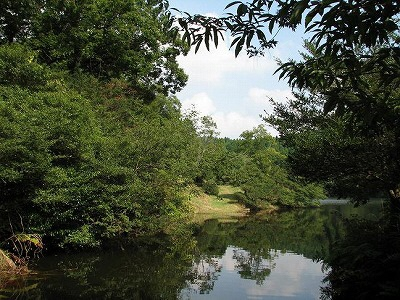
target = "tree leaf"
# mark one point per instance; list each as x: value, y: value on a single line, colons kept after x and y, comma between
x: 310, y: 16
x: 260, y: 35
x: 198, y: 45
x: 242, y: 9
x: 330, y: 104
x: 207, y: 38
x: 271, y: 25
x: 239, y: 45
x: 249, y: 38
x: 235, y: 41
x: 215, y: 37
x: 232, y: 4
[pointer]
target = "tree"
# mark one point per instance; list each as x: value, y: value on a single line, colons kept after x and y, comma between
x: 92, y: 145
x: 265, y: 178
x: 353, y: 66
x: 16, y: 19
x: 108, y: 39
x: 82, y: 163
x: 209, y: 151
x: 355, y: 157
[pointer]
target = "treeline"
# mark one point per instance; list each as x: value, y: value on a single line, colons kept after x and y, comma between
x: 257, y: 162
x: 93, y: 144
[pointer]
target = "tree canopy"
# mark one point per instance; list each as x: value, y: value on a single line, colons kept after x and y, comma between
x: 107, y: 39
x: 92, y: 143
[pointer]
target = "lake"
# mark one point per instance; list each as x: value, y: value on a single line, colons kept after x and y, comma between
x: 275, y: 256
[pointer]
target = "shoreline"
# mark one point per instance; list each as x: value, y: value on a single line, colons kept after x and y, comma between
x: 225, y: 207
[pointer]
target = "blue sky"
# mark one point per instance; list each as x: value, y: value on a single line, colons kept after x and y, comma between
x: 233, y: 91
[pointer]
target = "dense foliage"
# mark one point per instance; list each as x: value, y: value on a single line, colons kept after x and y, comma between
x: 81, y: 169
x: 130, y: 39
x: 93, y: 145
x: 365, y: 262
x: 354, y: 149
x: 257, y: 162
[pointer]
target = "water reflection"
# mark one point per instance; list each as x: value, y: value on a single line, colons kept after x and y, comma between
x: 284, y: 275
x: 266, y: 257
x: 247, y: 265
x: 270, y: 257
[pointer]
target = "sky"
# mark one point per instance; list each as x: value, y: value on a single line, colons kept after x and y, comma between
x: 233, y: 91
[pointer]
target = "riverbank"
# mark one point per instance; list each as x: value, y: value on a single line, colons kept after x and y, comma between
x: 226, y: 207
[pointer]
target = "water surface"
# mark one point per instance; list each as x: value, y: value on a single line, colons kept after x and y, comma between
x: 278, y: 256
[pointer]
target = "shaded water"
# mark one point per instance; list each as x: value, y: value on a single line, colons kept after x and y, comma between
x: 275, y: 256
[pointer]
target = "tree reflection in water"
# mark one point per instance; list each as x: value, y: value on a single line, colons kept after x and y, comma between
x: 203, y: 274
x: 261, y: 242
x: 253, y: 266
x: 219, y: 254
x: 206, y: 269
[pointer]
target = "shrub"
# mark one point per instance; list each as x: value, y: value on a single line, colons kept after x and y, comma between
x: 211, y: 188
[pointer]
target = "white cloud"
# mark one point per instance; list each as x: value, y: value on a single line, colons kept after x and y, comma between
x: 229, y: 124
x: 300, y: 275
x: 212, y: 15
x: 211, y: 66
x: 232, y: 124
x: 201, y: 102
x: 261, y: 97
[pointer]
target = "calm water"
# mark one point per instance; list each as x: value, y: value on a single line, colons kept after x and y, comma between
x: 276, y: 256
x: 237, y: 275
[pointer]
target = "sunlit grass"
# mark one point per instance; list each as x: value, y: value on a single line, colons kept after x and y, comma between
x: 225, y: 207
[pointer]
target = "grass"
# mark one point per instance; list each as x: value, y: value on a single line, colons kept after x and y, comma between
x: 225, y: 207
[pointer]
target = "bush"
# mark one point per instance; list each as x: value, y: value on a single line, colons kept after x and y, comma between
x: 77, y: 178
x: 211, y: 188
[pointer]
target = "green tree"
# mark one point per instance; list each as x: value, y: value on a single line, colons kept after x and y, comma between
x: 80, y: 173
x: 210, y: 152
x: 355, y: 158
x: 265, y: 178
x: 86, y: 157
x: 131, y: 39
x: 16, y: 19
x: 19, y: 67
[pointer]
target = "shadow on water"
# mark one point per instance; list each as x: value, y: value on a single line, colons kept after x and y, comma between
x: 275, y: 256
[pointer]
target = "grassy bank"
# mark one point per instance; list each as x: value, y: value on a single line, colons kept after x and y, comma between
x: 225, y: 207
